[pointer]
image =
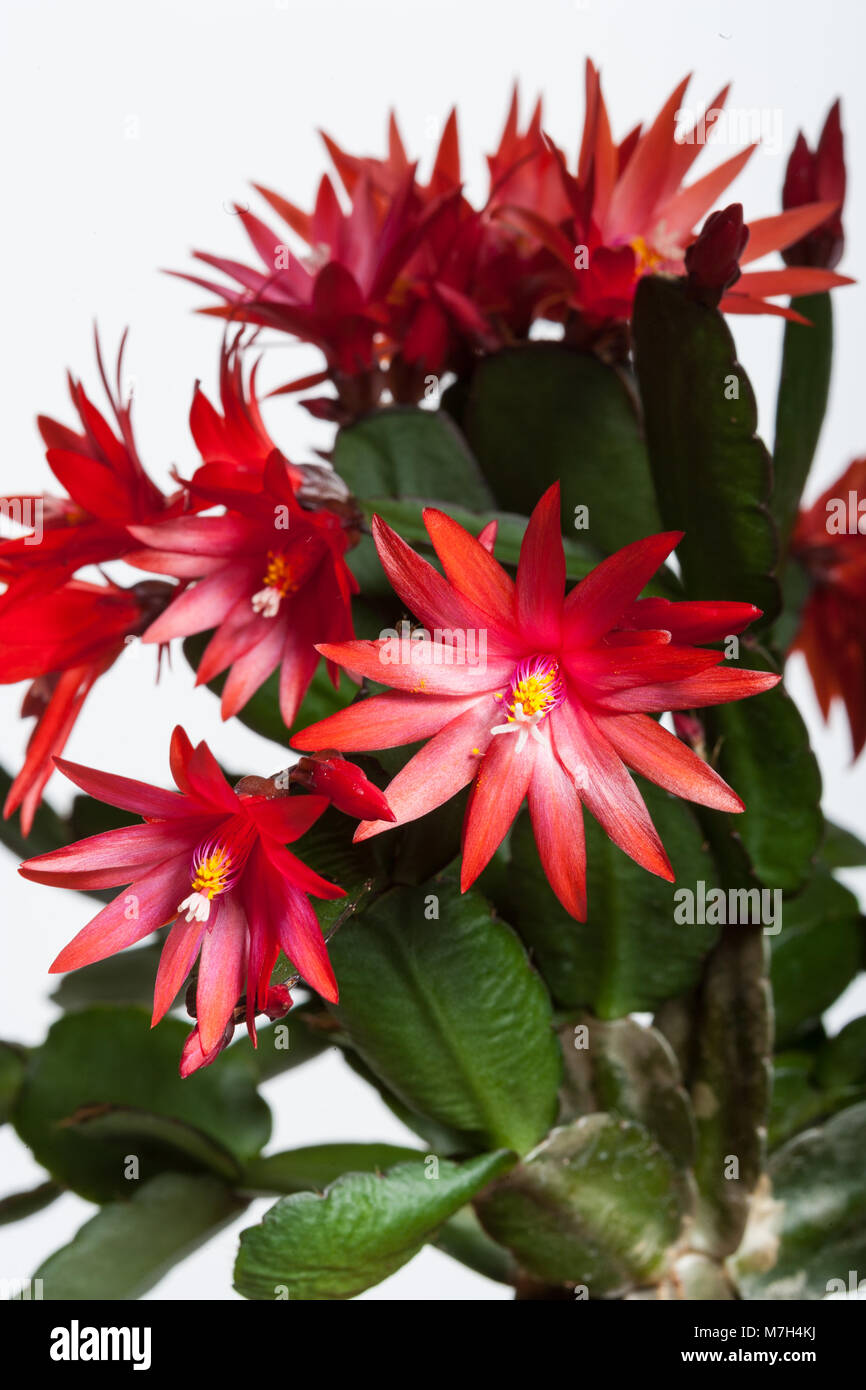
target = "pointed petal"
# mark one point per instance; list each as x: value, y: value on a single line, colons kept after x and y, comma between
x: 439, y: 770
x: 115, y: 856
x: 541, y: 574
x: 383, y: 721
x: 471, y: 568
x: 175, y: 963
x: 597, y: 603
x: 606, y: 788
x: 428, y: 668
x: 557, y: 823
x: 714, y: 687
x: 221, y: 970
x: 125, y: 792
x: 656, y: 754
x: 140, y: 909
x: 501, y: 784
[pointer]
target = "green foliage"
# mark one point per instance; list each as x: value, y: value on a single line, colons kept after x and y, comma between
x: 447, y: 1011
x: 804, y: 385
x: 361, y: 1230
x: 108, y: 1057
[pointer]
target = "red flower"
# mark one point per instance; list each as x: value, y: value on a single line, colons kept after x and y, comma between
x: 555, y: 708
x: 818, y: 177
x: 630, y: 215
x: 214, y: 863
x: 108, y: 491
x: 63, y: 642
x: 830, y: 545
x: 272, y: 581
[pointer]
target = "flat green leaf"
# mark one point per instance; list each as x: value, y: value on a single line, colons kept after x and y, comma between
x: 440, y: 1001
x: 315, y: 1167
x: 408, y: 452
x: 20, y: 1205
x: 464, y: 1239
x: 630, y: 954
x: 816, y: 1226
x: 110, y: 1056
x: 712, y: 474
x: 798, y: 1099
x: 764, y: 754
x: 363, y: 1229
x: 128, y: 1246
x: 842, y: 849
x: 815, y: 955
x: 13, y: 1061
x: 841, y: 1061
x: 544, y: 412
x: 158, y: 1141
x: 729, y: 1083
x: 597, y: 1204
x: 804, y: 386
x: 630, y: 1072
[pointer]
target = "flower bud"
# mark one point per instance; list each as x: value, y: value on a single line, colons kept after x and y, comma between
x: 813, y: 177
x: 712, y: 261
x: 344, y: 784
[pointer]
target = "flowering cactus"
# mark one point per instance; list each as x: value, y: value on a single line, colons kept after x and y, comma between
x: 466, y: 630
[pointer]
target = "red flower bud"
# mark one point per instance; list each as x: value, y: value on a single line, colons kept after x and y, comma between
x: 712, y: 261
x: 278, y: 1001
x: 193, y: 1056
x: 813, y: 177
x: 344, y: 784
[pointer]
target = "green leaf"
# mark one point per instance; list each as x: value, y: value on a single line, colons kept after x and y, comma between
x: 314, y: 1168
x: 815, y: 955
x: 841, y: 1061
x: 20, y: 1205
x: 764, y: 754
x: 597, y: 1204
x: 544, y: 412
x: 630, y: 954
x: 13, y: 1063
x: 49, y: 830
x: 158, y: 1141
x: 128, y: 1246
x: 712, y: 474
x: 630, y: 1072
x: 109, y: 1056
x: 842, y: 849
x: 818, y: 1216
x: 447, y: 1011
x: 729, y: 1082
x: 804, y: 386
x: 363, y: 1229
x: 464, y: 1239
x: 798, y: 1101
x: 408, y: 452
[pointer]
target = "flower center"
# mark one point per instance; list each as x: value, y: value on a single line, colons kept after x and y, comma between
x: 536, y: 689
x: 217, y: 864
x: 647, y: 258
x: 279, y: 580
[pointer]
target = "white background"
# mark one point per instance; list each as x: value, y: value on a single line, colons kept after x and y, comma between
x: 128, y: 129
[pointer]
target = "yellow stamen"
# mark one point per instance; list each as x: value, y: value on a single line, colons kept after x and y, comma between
x: 212, y: 874
x: 278, y: 574
x: 533, y: 694
x: 647, y: 259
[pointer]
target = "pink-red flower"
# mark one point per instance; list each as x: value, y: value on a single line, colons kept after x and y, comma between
x: 631, y: 214
x: 830, y: 545
x: 108, y: 489
x: 212, y: 861
x: 62, y: 642
x: 272, y: 580
x: 524, y: 692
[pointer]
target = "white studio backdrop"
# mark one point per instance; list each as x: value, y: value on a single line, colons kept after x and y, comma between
x: 129, y: 128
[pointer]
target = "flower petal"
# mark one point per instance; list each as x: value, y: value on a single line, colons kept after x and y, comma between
x: 221, y: 971
x: 656, y: 754
x: 541, y: 574
x: 597, y: 603
x: 557, y: 823
x: 500, y: 785
x: 143, y: 907
x: 383, y: 721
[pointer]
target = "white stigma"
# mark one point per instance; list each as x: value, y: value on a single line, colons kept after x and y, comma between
x: 267, y: 602
x: 523, y: 725
x: 196, y: 907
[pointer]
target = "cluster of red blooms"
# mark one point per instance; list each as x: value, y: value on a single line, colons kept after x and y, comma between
x: 399, y: 279
x: 402, y: 280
